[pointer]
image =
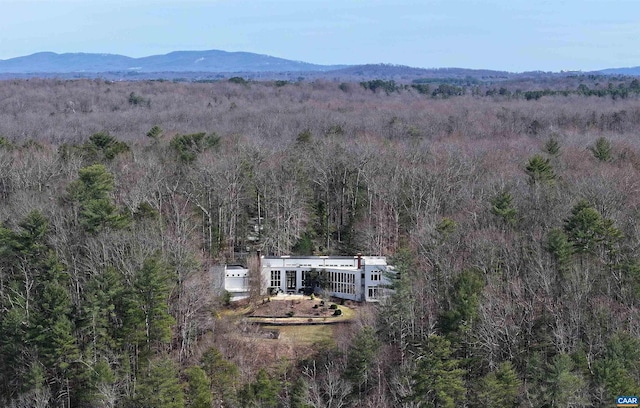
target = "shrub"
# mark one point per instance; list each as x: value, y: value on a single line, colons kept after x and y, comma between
x: 333, y: 306
x: 337, y: 312
x: 290, y: 313
x: 226, y: 298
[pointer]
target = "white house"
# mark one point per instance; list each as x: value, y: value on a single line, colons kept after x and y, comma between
x: 359, y: 278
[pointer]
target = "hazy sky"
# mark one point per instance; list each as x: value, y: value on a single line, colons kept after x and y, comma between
x: 513, y: 35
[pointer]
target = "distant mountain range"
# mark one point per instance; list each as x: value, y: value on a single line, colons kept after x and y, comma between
x: 178, y: 61
x: 224, y: 64
x: 630, y: 71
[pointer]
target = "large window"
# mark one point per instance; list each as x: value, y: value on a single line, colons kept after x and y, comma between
x: 342, y: 282
x: 373, y: 292
x: 291, y: 280
x: 275, y: 279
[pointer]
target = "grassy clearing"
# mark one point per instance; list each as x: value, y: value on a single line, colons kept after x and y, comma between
x: 304, y: 335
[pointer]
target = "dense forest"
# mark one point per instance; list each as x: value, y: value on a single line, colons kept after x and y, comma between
x: 509, y: 210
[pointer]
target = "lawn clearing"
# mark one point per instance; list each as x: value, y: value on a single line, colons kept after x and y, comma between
x: 304, y: 335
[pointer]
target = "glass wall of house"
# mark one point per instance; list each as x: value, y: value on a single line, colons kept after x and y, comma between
x: 342, y: 282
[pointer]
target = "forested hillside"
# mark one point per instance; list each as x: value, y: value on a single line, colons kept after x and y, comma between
x: 510, y: 212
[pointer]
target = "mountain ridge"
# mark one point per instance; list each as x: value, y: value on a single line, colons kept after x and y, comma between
x: 175, y: 61
x: 229, y: 62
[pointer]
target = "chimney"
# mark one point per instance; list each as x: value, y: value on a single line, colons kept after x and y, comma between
x: 359, y: 260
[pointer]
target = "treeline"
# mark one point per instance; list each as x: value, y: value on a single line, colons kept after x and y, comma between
x: 622, y: 90
x: 449, y: 88
x: 513, y: 226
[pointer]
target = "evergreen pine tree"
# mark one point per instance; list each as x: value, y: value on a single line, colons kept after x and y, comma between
x: 501, y: 206
x: 559, y: 247
x: 360, y: 357
x: 602, y: 149
x: 199, y: 393
x: 223, y: 375
x: 552, y: 146
x: 299, y: 393
x: 91, y: 192
x: 464, y: 301
x: 437, y: 380
x: 618, y: 371
x: 499, y: 388
x: 159, y: 386
x: 152, y: 285
x: 263, y: 392
x: 539, y: 170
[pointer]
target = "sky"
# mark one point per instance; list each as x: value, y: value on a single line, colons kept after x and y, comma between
x: 510, y: 35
